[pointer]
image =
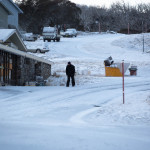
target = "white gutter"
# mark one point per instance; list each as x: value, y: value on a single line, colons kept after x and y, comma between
x: 24, y: 54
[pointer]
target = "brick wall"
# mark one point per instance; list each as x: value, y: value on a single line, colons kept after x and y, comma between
x: 28, y: 69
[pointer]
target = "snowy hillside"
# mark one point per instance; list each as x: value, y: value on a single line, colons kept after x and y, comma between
x: 88, y: 52
x: 89, y: 116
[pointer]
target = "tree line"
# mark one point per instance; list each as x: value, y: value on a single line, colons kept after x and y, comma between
x: 63, y: 13
x: 40, y: 13
x: 119, y: 17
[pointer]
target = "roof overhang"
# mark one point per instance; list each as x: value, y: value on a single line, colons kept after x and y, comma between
x: 24, y: 54
x: 7, y: 10
x: 19, y: 10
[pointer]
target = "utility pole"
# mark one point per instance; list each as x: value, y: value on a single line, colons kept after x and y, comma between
x: 99, y: 27
x: 146, y: 27
x: 143, y: 42
x: 143, y: 35
x: 128, y: 28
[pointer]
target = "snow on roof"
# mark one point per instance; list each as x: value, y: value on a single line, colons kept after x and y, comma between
x: 49, y: 29
x: 5, y: 34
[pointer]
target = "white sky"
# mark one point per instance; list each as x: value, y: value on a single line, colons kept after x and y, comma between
x: 107, y: 3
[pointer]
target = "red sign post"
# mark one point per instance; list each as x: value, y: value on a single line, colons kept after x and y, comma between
x: 123, y: 80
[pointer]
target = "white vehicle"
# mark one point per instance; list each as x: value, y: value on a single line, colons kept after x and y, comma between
x: 29, y: 37
x: 62, y: 32
x: 50, y: 33
x: 111, y: 32
x: 38, y: 50
x: 70, y: 33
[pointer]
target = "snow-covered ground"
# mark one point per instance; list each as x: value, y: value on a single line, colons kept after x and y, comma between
x: 89, y: 116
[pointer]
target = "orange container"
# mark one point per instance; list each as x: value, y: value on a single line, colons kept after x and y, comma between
x: 112, y: 72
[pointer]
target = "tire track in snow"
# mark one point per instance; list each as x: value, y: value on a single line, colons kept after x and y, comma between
x: 78, y: 118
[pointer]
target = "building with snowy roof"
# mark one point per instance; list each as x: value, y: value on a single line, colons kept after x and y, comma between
x: 17, y: 67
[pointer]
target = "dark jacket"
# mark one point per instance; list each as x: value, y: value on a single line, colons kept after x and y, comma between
x: 70, y: 70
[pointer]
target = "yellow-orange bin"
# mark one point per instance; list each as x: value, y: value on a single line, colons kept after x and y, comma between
x: 115, y: 70
x: 112, y: 72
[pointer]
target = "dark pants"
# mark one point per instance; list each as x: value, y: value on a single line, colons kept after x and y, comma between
x: 68, y: 80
